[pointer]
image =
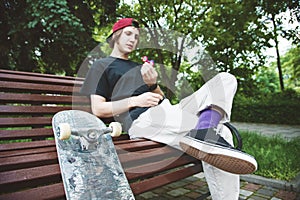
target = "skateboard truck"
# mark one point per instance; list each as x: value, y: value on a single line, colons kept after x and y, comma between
x: 90, y: 141
x: 87, y: 138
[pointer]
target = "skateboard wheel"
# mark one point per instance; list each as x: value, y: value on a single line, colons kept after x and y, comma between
x: 116, y: 129
x: 64, y: 131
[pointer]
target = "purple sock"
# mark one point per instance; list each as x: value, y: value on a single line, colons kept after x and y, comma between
x: 208, y: 119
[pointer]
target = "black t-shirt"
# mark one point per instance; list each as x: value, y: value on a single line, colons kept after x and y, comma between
x: 116, y: 79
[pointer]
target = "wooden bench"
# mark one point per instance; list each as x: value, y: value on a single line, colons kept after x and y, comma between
x: 28, y: 159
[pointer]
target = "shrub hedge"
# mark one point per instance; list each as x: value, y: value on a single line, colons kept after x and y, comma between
x: 276, y: 108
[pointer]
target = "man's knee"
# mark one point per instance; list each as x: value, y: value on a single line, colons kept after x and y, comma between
x: 225, y: 76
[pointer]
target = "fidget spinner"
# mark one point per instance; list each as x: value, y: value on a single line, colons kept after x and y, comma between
x: 145, y: 59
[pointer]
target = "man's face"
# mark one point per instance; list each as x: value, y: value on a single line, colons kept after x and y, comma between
x: 128, y: 40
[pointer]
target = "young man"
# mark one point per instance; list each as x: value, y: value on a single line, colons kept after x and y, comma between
x: 129, y: 92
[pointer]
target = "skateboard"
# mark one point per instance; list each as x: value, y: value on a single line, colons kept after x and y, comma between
x: 89, y: 164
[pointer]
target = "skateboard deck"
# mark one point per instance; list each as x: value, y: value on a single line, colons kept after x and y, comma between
x: 89, y: 164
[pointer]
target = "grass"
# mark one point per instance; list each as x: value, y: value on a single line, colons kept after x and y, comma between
x: 277, y: 158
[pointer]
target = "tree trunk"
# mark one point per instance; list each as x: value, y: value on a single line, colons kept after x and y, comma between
x: 277, y: 54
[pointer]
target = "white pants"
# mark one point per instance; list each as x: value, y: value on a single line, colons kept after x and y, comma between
x: 168, y: 123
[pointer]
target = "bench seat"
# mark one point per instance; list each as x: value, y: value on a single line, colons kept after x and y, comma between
x: 29, y: 166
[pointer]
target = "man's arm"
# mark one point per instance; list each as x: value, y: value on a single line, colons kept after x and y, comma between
x: 102, y: 108
x: 150, y: 75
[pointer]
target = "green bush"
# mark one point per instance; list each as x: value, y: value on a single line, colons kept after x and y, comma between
x: 277, y: 108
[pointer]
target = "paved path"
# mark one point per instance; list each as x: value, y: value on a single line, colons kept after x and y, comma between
x: 195, y: 187
x: 286, y: 131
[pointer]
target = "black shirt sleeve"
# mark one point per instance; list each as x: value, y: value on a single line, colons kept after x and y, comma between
x: 93, y: 79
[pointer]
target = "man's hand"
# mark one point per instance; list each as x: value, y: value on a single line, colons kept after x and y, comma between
x: 147, y: 99
x: 149, y: 74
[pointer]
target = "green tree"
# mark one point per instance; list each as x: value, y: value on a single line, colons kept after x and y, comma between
x: 291, y: 68
x: 271, y: 12
x: 229, y: 30
x: 266, y: 80
x: 50, y: 36
x: 235, y: 38
x: 168, y: 25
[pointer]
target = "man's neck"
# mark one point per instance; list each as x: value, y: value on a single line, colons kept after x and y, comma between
x: 118, y: 54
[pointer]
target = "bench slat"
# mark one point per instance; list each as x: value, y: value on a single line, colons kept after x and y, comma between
x: 25, y: 121
x: 19, y: 162
x: 144, y: 144
x: 36, y: 79
x: 161, y: 180
x: 33, y: 109
x: 130, y: 157
x: 23, y: 152
x: 34, y: 74
x: 151, y: 167
x: 26, y: 145
x: 10, y: 180
x: 23, y: 110
x: 38, y: 98
x: 54, y: 191
x: 33, y: 87
x: 138, y: 146
x: 25, y: 134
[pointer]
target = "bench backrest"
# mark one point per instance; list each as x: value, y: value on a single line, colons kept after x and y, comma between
x: 28, y: 160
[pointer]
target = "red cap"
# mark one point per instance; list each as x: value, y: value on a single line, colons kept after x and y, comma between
x: 122, y: 23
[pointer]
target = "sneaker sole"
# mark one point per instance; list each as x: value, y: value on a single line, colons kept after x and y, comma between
x: 227, y: 159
